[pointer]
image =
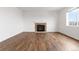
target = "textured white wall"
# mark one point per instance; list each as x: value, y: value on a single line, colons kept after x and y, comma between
x: 10, y: 22
x: 71, y: 31
x: 31, y: 17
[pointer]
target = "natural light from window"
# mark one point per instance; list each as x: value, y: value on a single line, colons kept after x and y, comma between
x: 72, y: 17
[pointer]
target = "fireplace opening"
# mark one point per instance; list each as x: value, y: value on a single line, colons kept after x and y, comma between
x: 40, y: 27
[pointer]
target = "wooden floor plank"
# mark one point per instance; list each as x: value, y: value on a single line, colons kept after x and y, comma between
x: 30, y: 41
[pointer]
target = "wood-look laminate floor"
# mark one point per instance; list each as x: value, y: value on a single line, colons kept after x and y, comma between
x: 28, y: 41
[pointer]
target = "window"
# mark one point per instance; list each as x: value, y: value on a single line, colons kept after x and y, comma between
x: 72, y: 17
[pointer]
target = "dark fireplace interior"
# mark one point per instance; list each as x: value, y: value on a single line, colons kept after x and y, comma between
x: 40, y: 27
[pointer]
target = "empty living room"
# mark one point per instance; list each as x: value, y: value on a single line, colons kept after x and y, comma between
x: 39, y: 28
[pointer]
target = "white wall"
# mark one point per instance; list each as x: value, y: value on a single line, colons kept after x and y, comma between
x: 71, y: 31
x: 10, y: 22
x: 32, y: 17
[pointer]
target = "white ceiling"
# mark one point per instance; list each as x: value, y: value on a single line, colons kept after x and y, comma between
x: 41, y: 8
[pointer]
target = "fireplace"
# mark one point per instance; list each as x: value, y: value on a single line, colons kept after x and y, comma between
x: 40, y: 27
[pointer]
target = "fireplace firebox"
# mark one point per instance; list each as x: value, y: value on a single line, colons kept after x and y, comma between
x: 40, y: 27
